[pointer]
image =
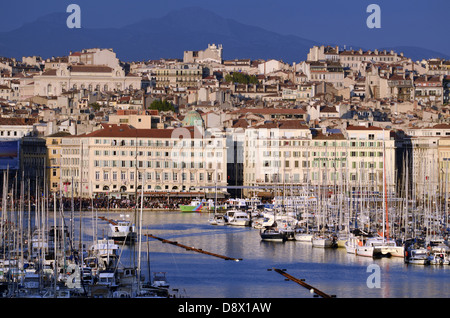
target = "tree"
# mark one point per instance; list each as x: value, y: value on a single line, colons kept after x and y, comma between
x: 241, y: 78
x: 162, y: 105
x: 95, y: 106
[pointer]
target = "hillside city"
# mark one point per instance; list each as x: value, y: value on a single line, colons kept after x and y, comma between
x: 91, y: 125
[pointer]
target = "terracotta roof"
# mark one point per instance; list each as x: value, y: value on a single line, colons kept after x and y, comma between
x: 317, y: 134
x: 364, y: 128
x: 51, y: 72
x: 270, y: 111
x: 17, y: 121
x: 240, y: 123
x: 286, y: 124
x: 126, y: 131
x: 91, y: 68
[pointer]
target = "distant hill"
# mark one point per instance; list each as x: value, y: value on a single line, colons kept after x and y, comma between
x: 418, y: 53
x: 185, y: 29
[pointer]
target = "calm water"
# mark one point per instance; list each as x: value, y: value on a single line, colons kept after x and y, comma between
x: 332, y: 271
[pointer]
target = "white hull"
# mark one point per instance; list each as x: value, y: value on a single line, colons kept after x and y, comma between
x: 367, y: 251
x: 350, y: 248
x: 239, y: 222
x: 237, y: 218
x: 394, y: 251
x: 302, y: 237
x: 418, y: 261
x: 322, y: 242
x: 217, y: 221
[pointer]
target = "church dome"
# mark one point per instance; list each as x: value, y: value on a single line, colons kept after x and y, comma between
x: 192, y: 118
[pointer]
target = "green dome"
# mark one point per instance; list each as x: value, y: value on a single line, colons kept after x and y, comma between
x: 192, y: 118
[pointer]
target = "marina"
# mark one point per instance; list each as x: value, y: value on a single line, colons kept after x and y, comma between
x: 321, y: 236
x: 194, y: 257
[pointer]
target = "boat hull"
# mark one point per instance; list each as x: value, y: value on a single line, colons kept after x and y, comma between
x: 366, y: 251
x: 322, y: 242
x: 273, y: 236
x: 303, y: 237
x: 191, y: 208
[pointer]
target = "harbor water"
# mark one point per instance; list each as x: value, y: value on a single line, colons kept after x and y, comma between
x: 330, y: 270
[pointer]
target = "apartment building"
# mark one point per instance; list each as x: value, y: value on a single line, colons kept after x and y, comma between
x: 293, y: 155
x: 429, y: 89
x: 429, y: 155
x: 118, y: 159
x: 179, y: 75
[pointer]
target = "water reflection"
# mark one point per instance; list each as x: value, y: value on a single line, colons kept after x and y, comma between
x: 333, y: 271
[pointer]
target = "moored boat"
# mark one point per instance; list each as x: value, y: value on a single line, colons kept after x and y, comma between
x: 193, y: 206
x: 417, y: 256
x: 323, y: 240
x: 122, y: 231
x: 273, y: 234
x: 237, y: 217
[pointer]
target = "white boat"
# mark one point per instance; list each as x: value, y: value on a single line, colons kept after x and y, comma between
x: 160, y: 280
x: 107, y: 278
x: 218, y: 219
x: 303, y: 237
x: 439, y: 253
x: 237, y: 217
x: 323, y: 241
x: 352, y: 243
x: 393, y: 248
x: 418, y: 256
x: 438, y: 258
x: 379, y: 247
x: 106, y: 252
x: 122, y: 231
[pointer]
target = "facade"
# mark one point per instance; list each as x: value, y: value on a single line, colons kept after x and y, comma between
x: 211, y: 54
x: 323, y: 53
x: 53, y: 145
x: 324, y: 71
x: 357, y: 59
x: 97, y: 78
x: 179, y: 75
x: 400, y: 87
x: 428, y: 158
x: 16, y: 128
x: 302, y: 92
x: 298, y: 156
x: 118, y: 158
x: 95, y: 56
x: 429, y: 89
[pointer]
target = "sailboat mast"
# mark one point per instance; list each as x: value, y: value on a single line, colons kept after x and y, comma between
x: 386, y: 221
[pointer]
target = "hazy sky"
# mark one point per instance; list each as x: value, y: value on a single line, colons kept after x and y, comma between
x: 403, y: 22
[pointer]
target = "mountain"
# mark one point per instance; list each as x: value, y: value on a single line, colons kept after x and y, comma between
x: 190, y: 28
x: 153, y: 38
x: 417, y: 53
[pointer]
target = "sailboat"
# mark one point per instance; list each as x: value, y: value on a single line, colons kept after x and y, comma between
x: 323, y: 240
x: 217, y: 219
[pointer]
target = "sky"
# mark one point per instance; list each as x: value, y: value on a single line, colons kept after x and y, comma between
x: 403, y: 22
